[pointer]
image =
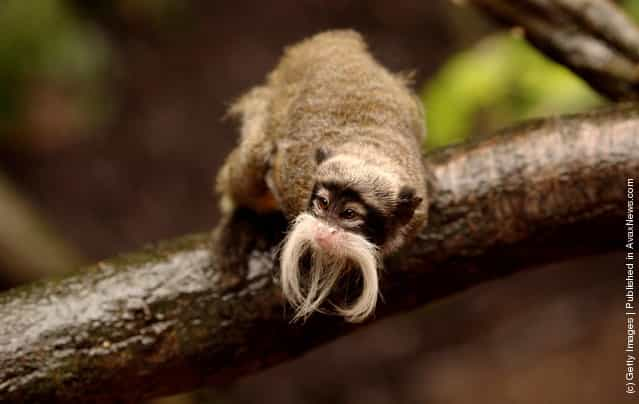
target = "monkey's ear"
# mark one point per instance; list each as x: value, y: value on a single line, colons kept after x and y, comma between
x: 406, y: 204
x: 321, y: 154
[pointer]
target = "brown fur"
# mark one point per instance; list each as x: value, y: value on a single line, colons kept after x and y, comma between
x: 326, y: 91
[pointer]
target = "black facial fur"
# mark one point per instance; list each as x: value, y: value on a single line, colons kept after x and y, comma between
x: 406, y: 205
x: 375, y: 226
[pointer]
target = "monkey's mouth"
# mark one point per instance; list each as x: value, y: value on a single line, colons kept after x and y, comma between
x: 310, y: 272
x: 349, y: 282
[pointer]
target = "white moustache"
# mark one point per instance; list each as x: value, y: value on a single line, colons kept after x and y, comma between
x: 326, y: 266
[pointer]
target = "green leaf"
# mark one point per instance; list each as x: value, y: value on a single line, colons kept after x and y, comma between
x: 499, y: 81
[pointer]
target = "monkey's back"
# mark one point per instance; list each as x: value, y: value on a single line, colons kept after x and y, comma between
x: 329, y: 91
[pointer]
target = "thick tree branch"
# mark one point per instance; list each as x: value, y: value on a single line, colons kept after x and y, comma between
x: 169, y: 319
x: 594, y: 38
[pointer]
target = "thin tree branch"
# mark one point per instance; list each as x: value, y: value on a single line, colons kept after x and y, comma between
x: 177, y: 315
x: 604, y: 18
x: 593, y: 38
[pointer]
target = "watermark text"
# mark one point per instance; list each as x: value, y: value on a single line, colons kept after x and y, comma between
x: 629, y: 289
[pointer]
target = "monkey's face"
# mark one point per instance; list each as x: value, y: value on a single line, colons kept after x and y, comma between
x: 342, y: 210
x: 361, y: 197
x: 376, y: 214
x: 330, y: 240
x: 355, y: 213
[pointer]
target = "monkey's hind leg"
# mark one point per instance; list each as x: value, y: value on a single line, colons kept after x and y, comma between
x: 241, y: 181
x: 245, y: 199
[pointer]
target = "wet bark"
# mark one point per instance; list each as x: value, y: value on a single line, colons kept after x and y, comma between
x: 594, y: 38
x: 182, y: 314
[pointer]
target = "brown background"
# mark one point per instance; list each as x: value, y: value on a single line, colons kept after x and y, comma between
x: 553, y: 335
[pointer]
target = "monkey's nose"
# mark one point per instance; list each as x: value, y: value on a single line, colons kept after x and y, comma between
x: 325, y: 237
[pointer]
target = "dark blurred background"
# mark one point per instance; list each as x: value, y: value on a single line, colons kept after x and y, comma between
x: 112, y: 129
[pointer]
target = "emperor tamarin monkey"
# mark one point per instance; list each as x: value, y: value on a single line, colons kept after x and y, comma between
x: 333, y: 140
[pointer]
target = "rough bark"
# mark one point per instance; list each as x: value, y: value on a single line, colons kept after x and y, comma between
x: 594, y: 38
x: 178, y: 315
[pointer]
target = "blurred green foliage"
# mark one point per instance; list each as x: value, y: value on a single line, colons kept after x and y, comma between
x: 632, y: 7
x: 501, y: 80
x: 42, y: 41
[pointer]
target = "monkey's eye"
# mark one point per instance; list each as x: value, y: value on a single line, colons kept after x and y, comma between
x: 348, y: 214
x: 322, y: 202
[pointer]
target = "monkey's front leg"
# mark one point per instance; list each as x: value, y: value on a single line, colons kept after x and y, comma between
x: 242, y: 236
